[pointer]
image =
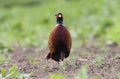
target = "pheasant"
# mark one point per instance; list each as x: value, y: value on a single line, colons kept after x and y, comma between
x: 59, y: 42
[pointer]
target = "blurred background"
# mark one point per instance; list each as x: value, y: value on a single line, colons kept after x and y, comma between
x: 25, y: 26
x: 29, y: 22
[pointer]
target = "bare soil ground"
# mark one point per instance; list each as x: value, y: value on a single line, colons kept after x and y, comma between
x: 32, y: 60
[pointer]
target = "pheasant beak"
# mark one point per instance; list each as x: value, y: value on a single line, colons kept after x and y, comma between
x: 55, y: 14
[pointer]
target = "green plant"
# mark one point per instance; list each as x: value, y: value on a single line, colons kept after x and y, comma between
x: 98, y: 60
x: 105, y: 49
x: 3, y: 59
x: 95, y: 77
x: 32, y: 60
x: 12, y: 74
x: 84, y: 53
x: 118, y: 75
x: 82, y: 74
x: 63, y: 65
x: 56, y: 76
x: 4, y: 48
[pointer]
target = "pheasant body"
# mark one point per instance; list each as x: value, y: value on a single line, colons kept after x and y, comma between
x: 59, y: 43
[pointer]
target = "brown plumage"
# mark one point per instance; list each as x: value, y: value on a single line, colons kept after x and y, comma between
x: 59, y: 42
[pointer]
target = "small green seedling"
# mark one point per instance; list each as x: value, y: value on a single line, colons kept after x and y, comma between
x: 32, y: 60
x: 63, y: 65
x: 95, y: 77
x: 56, y: 76
x: 84, y: 53
x: 4, y: 48
x: 98, y: 60
x: 118, y: 75
x: 106, y: 49
x: 12, y: 74
x: 3, y: 59
x: 82, y: 74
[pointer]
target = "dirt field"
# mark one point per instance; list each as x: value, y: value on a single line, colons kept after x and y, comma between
x: 32, y: 60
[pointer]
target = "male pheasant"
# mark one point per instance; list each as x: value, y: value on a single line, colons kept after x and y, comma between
x: 59, y: 42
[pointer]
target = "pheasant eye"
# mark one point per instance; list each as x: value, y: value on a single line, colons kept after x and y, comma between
x: 59, y: 16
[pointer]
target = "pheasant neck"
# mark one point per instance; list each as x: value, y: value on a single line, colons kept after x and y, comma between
x: 59, y: 21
